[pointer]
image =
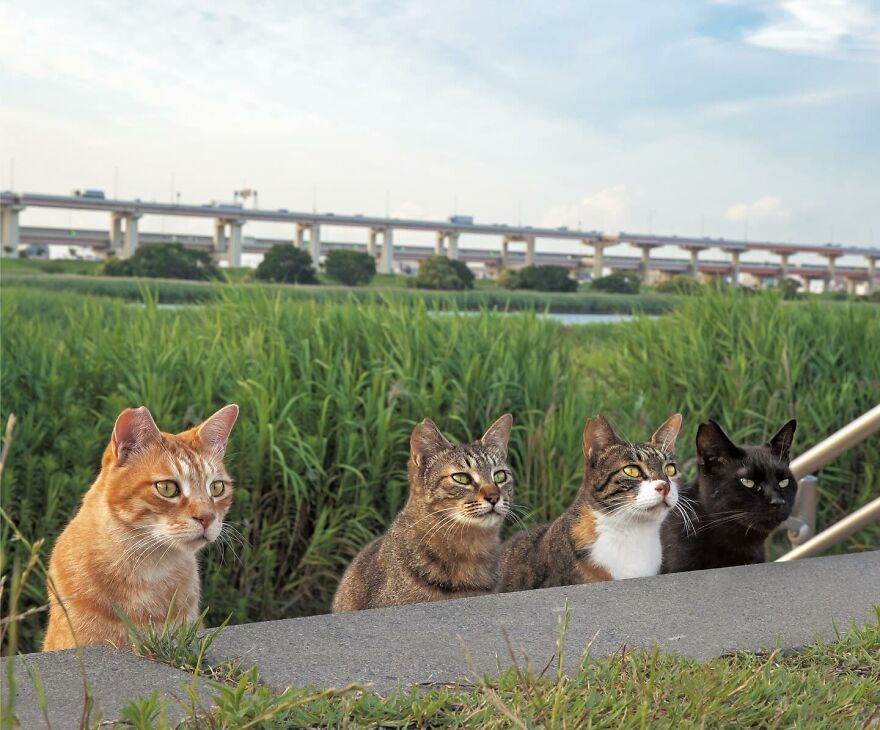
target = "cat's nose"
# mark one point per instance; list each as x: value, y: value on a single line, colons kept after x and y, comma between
x: 204, y: 519
x: 662, y: 488
x: 492, y: 497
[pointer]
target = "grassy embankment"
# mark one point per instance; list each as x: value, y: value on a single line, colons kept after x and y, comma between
x: 330, y: 391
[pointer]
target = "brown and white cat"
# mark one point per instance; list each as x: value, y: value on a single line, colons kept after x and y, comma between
x: 132, y: 545
x: 612, y: 529
x: 444, y: 543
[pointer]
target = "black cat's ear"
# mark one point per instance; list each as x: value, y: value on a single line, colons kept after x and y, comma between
x: 665, y: 436
x: 780, y: 444
x: 426, y: 439
x: 134, y: 430
x: 713, y: 445
x: 598, y: 436
x: 498, y: 434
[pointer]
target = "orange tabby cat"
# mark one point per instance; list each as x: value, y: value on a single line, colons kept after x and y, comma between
x: 133, y: 542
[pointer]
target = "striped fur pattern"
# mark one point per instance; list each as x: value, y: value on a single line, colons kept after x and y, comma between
x: 131, y: 547
x: 445, y: 542
x: 612, y: 529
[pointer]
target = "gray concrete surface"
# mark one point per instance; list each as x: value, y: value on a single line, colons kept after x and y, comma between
x: 701, y: 615
x: 115, y: 678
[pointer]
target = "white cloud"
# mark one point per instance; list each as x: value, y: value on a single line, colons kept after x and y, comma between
x: 766, y: 209
x: 822, y: 27
x: 605, y: 209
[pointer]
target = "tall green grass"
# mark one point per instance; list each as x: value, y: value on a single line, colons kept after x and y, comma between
x: 330, y: 391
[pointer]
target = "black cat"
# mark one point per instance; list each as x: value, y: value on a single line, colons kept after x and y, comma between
x: 742, y: 494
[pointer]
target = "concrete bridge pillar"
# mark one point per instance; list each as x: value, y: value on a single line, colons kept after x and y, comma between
x: 645, y: 263
x: 439, y: 242
x: 221, y: 241
x: 315, y: 243
x: 505, y: 250
x: 530, y: 251
x: 386, y: 263
x: 130, y: 238
x: 598, y: 260
x: 872, y: 274
x: 452, y: 246
x: 694, y: 266
x: 371, y: 241
x: 831, y: 273
x: 9, y: 230
x: 233, y: 251
x: 115, y: 233
x: 784, y: 266
x: 734, y: 267
x: 850, y: 286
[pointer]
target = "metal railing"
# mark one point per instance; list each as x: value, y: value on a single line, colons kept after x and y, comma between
x: 801, y: 526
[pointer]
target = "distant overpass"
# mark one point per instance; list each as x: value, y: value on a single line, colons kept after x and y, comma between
x: 229, y: 242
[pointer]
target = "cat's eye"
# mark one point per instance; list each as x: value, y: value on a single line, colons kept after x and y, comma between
x: 168, y: 488
x: 461, y: 478
x: 750, y: 483
x: 217, y: 488
x: 632, y: 471
x: 499, y: 477
x: 670, y: 470
x: 784, y: 483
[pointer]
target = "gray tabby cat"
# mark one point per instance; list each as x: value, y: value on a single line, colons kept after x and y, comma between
x: 444, y: 543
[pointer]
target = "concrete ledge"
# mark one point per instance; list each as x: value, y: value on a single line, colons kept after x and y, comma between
x: 700, y: 615
x: 115, y: 678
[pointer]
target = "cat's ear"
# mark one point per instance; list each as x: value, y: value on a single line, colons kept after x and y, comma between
x: 214, y: 431
x: 598, y: 436
x: 498, y: 434
x: 713, y: 445
x: 780, y: 444
x: 426, y: 439
x: 665, y: 436
x: 134, y: 429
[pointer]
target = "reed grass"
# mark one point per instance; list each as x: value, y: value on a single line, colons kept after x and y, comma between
x: 330, y: 390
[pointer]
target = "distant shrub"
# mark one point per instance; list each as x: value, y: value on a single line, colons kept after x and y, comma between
x: 619, y: 282
x: 539, y: 278
x: 438, y: 272
x: 681, y: 284
x: 164, y: 261
x: 790, y: 288
x: 874, y: 296
x: 352, y: 268
x: 286, y: 264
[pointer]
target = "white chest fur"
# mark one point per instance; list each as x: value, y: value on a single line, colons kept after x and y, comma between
x: 627, y: 549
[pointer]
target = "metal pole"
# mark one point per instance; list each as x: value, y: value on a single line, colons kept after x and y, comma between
x: 847, y: 437
x: 836, y: 533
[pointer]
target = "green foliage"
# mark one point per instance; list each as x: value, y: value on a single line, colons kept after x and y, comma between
x: 331, y: 388
x: 539, y: 278
x: 686, y: 285
x: 621, y: 282
x: 352, y: 268
x: 164, y: 261
x: 286, y: 264
x: 439, y: 272
x: 789, y: 287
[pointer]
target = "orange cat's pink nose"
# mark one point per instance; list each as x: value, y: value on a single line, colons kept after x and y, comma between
x: 662, y: 488
x: 205, y: 518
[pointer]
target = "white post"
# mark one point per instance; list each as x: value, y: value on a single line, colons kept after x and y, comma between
x: 452, y: 247
x: 233, y: 255
x: 386, y: 264
x: 9, y: 230
x: 438, y: 243
x: 530, y: 251
x: 315, y: 243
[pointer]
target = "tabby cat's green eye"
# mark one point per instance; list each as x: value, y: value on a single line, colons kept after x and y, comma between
x: 217, y: 488
x: 784, y: 483
x: 670, y: 470
x: 462, y: 478
x: 632, y: 471
x: 168, y: 488
x: 499, y: 477
x: 748, y: 483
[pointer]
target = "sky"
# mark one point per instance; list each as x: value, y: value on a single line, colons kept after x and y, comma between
x: 754, y: 119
